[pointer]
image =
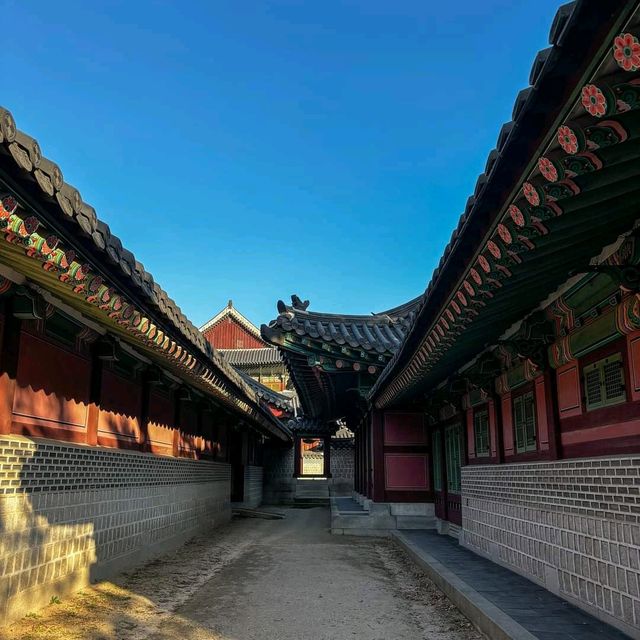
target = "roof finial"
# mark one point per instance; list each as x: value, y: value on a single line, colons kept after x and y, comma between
x: 230, y: 304
x: 296, y: 303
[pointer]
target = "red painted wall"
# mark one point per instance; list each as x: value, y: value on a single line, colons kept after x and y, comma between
x: 52, y: 390
x: 229, y: 334
x: 120, y: 407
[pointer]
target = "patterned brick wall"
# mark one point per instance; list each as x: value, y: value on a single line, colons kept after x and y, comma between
x: 342, y: 463
x: 253, y: 479
x: 279, y: 483
x: 70, y: 514
x: 572, y: 525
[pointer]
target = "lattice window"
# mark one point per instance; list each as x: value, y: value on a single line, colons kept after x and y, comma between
x: 524, y: 422
x: 481, y: 432
x: 453, y: 455
x: 604, y: 382
x: 436, y: 441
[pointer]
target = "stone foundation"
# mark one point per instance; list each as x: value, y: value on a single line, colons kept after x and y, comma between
x: 572, y: 526
x: 71, y: 514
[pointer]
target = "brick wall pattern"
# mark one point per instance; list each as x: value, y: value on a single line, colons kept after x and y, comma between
x: 253, y: 479
x: 571, y: 525
x: 342, y: 461
x: 70, y: 514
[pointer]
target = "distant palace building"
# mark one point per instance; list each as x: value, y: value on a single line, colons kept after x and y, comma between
x: 241, y: 343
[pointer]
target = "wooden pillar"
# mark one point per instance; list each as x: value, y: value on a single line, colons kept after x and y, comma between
x: 176, y: 423
x: 496, y: 406
x: 95, y: 391
x: 9, y: 357
x: 553, y: 414
x: 326, y: 471
x: 297, y: 452
x: 145, y: 402
x: 377, y: 452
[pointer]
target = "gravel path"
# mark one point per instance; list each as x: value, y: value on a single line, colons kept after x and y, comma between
x: 261, y: 580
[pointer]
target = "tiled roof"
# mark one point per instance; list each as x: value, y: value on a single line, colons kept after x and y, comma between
x: 379, y: 332
x: 250, y: 357
x: 71, y: 209
x: 267, y: 394
x: 79, y: 249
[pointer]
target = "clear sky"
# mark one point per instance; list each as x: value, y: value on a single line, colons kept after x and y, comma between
x: 252, y: 149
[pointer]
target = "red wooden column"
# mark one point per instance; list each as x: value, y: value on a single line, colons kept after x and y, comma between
x: 175, y: 450
x: 9, y: 357
x: 95, y: 390
x: 145, y: 403
x: 377, y: 450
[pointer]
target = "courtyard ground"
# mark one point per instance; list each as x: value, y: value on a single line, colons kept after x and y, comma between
x: 260, y: 580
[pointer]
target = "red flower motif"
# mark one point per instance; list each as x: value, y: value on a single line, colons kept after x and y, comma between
x: 516, y: 214
x: 470, y: 290
x: 568, y: 139
x: 484, y: 264
x: 462, y: 298
x: 593, y: 100
x: 505, y: 234
x: 455, y: 306
x: 450, y: 315
x: 531, y: 194
x: 475, y: 276
x: 494, y: 249
x: 548, y: 169
x: 626, y: 51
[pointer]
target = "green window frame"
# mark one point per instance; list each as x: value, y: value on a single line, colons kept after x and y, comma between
x: 524, y: 423
x: 604, y: 382
x: 436, y: 444
x: 453, y: 456
x: 481, y: 432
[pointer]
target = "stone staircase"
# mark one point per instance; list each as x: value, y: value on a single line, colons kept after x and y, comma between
x: 311, y: 492
x: 360, y: 516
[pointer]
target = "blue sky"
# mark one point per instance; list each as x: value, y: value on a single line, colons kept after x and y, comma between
x: 254, y: 149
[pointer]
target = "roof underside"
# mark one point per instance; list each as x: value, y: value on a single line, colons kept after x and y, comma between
x: 333, y: 359
x: 552, y: 198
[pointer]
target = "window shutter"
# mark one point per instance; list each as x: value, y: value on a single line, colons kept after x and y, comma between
x: 604, y: 382
x: 593, y: 386
x: 530, y: 424
x: 613, y: 380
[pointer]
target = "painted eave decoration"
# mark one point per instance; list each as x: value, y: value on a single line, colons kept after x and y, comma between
x: 558, y: 207
x: 50, y: 235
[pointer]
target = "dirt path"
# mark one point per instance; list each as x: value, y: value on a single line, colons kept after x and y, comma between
x: 261, y: 580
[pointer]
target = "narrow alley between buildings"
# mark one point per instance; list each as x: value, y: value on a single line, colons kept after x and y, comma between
x: 260, y: 580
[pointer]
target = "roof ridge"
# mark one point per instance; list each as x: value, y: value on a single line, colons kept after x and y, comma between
x: 230, y: 310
